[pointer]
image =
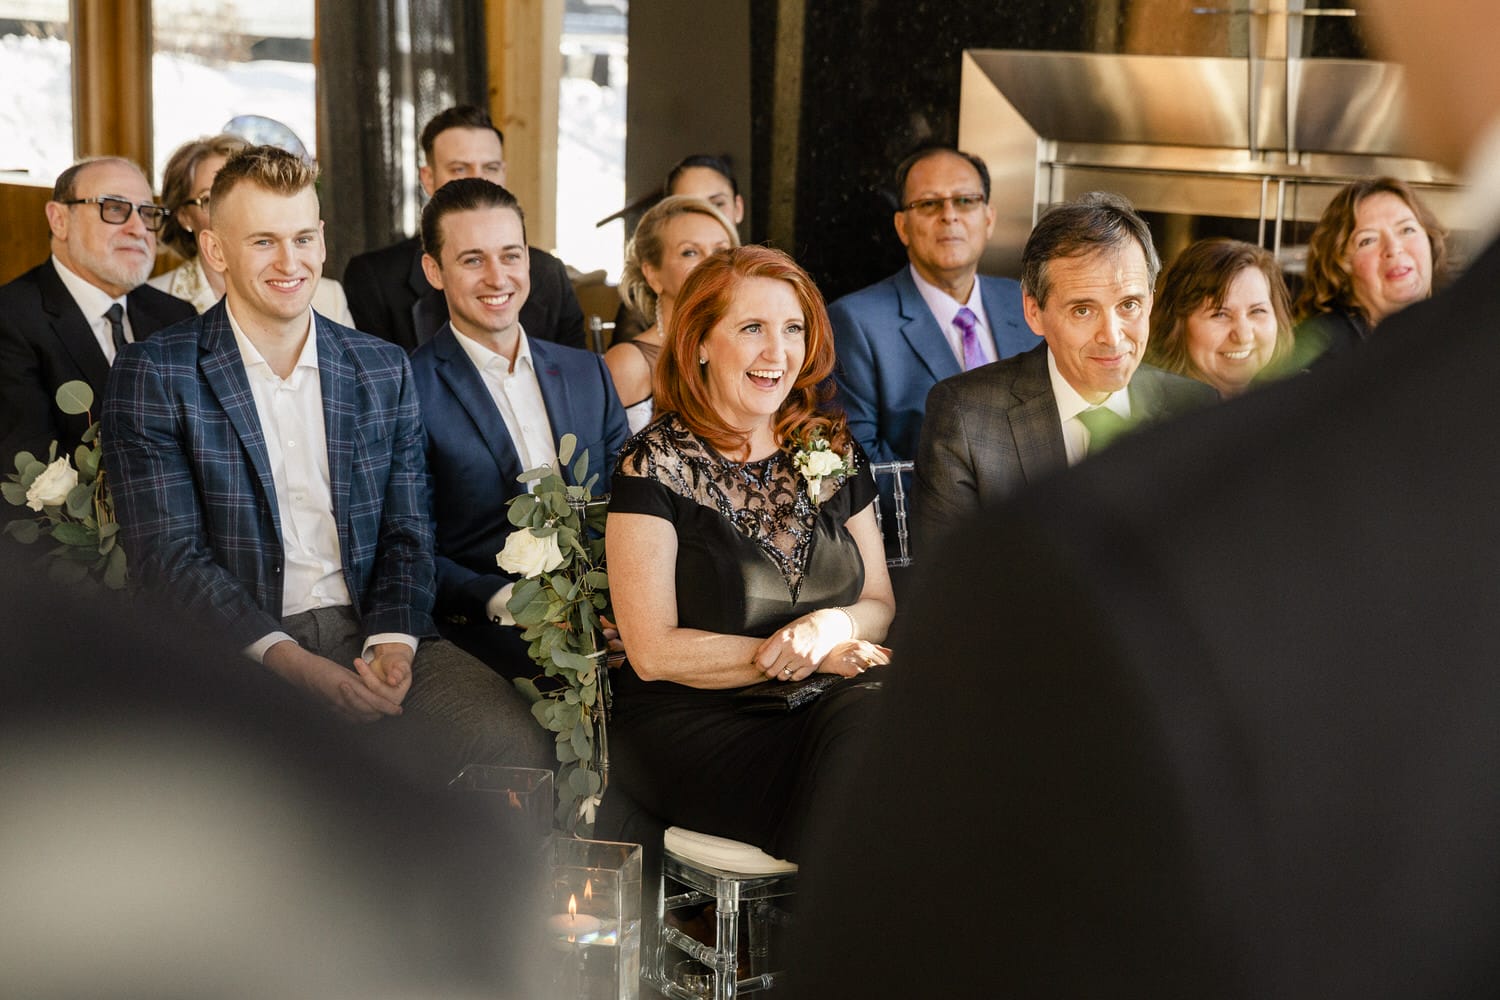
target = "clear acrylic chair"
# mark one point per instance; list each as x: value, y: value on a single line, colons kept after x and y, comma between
x: 746, y: 885
x: 897, y: 471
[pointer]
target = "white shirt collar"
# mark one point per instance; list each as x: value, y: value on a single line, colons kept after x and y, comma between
x: 485, y: 359
x: 1070, y: 403
x: 944, y: 306
x: 253, y: 359
x: 1480, y: 202
x: 92, y: 300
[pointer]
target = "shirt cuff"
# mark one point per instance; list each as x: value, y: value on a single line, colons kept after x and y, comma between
x: 379, y: 637
x: 496, y: 608
x: 257, y: 649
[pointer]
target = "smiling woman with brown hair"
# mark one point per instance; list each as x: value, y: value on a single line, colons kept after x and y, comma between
x: 1376, y: 249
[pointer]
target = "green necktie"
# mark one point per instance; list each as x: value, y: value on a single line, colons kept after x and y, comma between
x: 1104, y: 424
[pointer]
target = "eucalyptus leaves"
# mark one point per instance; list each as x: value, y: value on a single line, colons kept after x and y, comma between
x: 559, y: 553
x: 72, y: 502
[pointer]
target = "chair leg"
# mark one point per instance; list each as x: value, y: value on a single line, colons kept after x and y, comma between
x: 727, y: 943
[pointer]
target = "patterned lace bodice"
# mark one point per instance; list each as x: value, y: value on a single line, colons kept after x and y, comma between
x: 766, y: 501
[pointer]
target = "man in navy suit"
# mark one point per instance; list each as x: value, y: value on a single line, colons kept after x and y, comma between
x: 495, y: 403
x: 64, y: 319
x: 932, y: 319
x: 268, y: 473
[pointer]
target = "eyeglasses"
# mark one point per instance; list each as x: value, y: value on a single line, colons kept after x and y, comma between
x: 201, y: 201
x: 116, y: 211
x: 962, y: 203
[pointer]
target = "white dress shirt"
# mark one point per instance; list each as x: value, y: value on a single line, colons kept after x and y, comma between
x: 1070, y: 404
x: 944, y: 307
x: 94, y: 302
x: 518, y: 397
x: 291, y: 421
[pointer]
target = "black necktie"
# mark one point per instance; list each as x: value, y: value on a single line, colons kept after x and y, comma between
x: 116, y: 317
x: 1104, y: 424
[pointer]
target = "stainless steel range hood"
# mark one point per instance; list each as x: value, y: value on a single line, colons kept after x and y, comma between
x: 1196, y: 138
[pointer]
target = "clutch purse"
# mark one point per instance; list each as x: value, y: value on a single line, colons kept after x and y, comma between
x: 785, y: 696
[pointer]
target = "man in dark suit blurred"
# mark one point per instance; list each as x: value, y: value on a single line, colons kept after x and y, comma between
x: 494, y: 404
x: 1219, y: 717
x: 66, y: 318
x: 1087, y: 271
x: 389, y: 293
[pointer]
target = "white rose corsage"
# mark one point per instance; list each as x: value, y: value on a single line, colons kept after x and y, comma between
x: 817, y: 461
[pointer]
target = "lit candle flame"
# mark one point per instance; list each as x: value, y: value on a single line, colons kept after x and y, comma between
x: 573, y: 906
x: 588, y: 890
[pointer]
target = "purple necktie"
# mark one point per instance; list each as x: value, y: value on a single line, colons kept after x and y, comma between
x: 968, y: 325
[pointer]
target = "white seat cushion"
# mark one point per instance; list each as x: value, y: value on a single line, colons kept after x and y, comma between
x: 722, y: 853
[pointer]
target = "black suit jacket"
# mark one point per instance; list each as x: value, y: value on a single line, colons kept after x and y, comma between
x: 45, y: 340
x: 390, y: 297
x: 1211, y: 715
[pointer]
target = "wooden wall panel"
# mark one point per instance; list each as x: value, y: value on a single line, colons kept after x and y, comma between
x: 24, y: 240
x: 525, y: 70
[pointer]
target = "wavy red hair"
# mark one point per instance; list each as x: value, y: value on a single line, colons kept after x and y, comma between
x: 681, y: 387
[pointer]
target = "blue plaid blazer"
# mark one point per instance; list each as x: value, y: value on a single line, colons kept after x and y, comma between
x: 188, y: 467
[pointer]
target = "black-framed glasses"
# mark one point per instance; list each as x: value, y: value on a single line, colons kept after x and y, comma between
x: 962, y: 203
x: 116, y: 211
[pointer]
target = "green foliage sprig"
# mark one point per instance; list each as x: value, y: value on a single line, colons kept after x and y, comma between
x: 559, y: 553
x: 72, y: 502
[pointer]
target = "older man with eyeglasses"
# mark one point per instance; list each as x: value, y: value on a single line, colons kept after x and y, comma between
x: 933, y: 319
x: 66, y: 318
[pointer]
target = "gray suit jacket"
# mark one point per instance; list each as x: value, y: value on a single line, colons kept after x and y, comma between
x: 892, y: 352
x: 995, y: 429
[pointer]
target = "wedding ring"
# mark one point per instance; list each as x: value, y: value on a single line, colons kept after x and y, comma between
x: 786, y: 671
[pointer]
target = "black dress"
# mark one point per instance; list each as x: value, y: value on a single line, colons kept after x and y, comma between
x: 753, y: 553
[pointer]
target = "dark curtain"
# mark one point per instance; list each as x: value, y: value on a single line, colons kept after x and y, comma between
x: 385, y: 67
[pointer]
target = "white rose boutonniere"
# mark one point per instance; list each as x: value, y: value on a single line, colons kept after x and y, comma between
x: 525, y: 554
x: 817, y: 461
x: 52, y: 487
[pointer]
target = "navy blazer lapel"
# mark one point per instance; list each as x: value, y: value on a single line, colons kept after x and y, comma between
x: 557, y: 396
x: 1034, y: 422
x: 458, y: 373
x: 921, y: 330
x: 71, y: 327
x: 224, y: 371
x: 336, y: 379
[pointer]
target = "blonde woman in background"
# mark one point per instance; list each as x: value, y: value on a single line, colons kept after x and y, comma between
x: 670, y: 240
x: 185, y: 185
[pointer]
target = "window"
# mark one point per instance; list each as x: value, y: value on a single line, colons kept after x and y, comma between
x: 591, y: 135
x: 244, y: 60
x: 36, y: 68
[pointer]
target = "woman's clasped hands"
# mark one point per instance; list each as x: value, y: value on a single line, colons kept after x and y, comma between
x: 817, y: 643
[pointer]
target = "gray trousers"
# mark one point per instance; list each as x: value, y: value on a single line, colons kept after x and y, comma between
x: 457, y: 712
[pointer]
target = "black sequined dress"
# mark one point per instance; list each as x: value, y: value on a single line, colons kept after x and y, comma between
x: 753, y: 553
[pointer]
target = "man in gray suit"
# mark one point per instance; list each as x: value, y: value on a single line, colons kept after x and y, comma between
x: 1086, y: 278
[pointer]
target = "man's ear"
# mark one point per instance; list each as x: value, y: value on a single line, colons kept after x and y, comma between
x: 900, y: 221
x: 212, y: 250
x: 57, y: 219
x: 1033, y: 311
x: 424, y: 174
x: 433, y: 270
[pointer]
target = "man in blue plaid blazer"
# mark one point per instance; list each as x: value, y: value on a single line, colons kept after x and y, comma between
x: 268, y: 472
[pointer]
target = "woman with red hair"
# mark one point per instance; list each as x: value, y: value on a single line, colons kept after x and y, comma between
x: 743, y: 550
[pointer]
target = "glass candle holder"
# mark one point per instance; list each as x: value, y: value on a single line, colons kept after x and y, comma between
x: 517, y: 795
x: 594, y: 921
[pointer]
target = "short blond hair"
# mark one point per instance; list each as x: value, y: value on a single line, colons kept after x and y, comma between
x: 268, y: 167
